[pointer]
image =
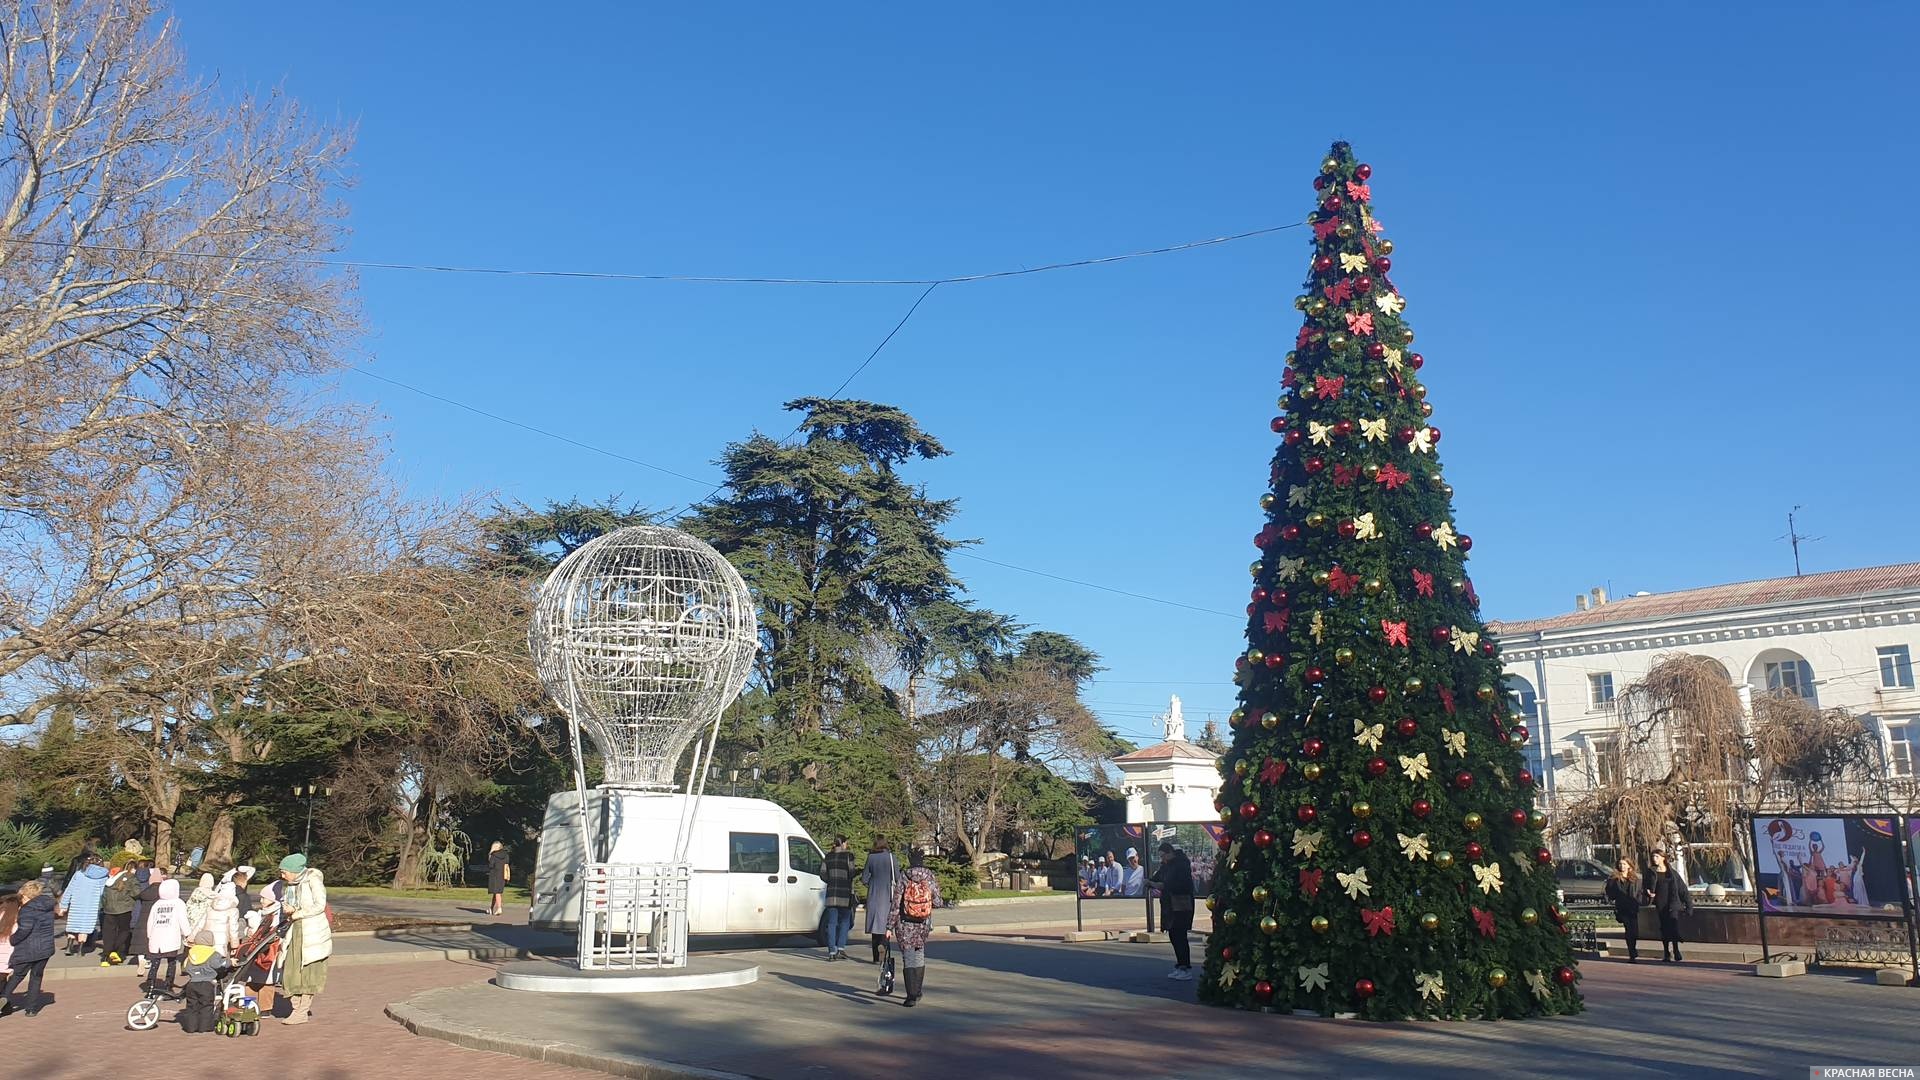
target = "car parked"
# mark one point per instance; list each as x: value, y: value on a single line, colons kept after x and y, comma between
x: 1581, y: 881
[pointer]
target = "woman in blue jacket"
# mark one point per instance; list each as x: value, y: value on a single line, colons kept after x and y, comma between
x: 81, y: 905
x: 32, y: 940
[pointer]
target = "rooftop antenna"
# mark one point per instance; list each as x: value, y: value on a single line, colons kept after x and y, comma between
x: 1794, y: 538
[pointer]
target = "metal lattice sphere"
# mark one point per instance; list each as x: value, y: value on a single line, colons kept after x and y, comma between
x: 644, y: 636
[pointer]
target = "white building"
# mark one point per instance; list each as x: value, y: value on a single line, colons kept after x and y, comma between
x: 1841, y: 640
x: 1172, y: 780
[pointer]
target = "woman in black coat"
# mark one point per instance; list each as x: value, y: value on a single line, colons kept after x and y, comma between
x: 1623, y: 892
x: 32, y: 940
x: 1667, y: 891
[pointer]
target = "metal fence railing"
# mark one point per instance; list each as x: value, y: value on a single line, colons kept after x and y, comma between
x: 633, y: 915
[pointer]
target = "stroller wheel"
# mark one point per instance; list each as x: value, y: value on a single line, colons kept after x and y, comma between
x: 143, y: 1015
x: 251, y: 1027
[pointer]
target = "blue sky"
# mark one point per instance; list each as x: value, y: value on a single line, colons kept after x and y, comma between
x: 1658, y: 255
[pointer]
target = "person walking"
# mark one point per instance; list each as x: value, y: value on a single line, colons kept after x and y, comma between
x: 31, y: 935
x: 881, y: 876
x: 838, y: 874
x: 117, y: 901
x: 911, y: 923
x: 80, y: 905
x: 1624, y: 892
x: 498, y: 874
x: 1175, y: 878
x: 310, y: 941
x: 166, y: 932
x: 1667, y: 891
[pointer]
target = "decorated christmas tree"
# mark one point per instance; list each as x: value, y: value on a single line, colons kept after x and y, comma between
x: 1382, y: 855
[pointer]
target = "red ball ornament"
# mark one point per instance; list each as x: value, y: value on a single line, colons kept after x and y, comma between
x: 1421, y: 808
x: 1251, y: 608
x: 1463, y: 779
x: 1466, y: 542
x: 1405, y: 727
x: 1424, y: 530
x: 1289, y: 532
x: 1474, y: 850
x: 1433, y: 433
x: 1275, y: 661
x: 1320, y: 182
x: 1522, y: 731
x: 1406, y: 434
x: 1278, y: 423
x: 1248, y: 811
x: 1377, y: 694
x: 1347, y: 530
x: 1316, y: 676
x: 1525, y: 778
x: 1363, y: 283
x: 1263, y: 990
x: 1314, y: 747
x: 1376, y: 766
x: 1518, y: 818
x: 1289, y: 377
x: 1332, y: 204
x: 1292, y: 438
x: 1416, y: 361
x: 1262, y: 839
x: 1363, y: 988
x: 1314, y: 464
x: 1259, y: 593
x: 1487, y: 648
x: 1343, y: 428
x: 1323, y: 264
x: 1226, y: 952
x: 1376, y: 351
x: 1565, y: 976
x: 1307, y: 814
x: 1382, y: 264
x: 1281, y: 598
x: 1362, y: 838
x: 1542, y: 856
x: 1224, y: 843
x: 1362, y: 171
x: 1440, y: 634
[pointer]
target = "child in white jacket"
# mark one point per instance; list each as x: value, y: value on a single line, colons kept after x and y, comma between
x: 166, y: 932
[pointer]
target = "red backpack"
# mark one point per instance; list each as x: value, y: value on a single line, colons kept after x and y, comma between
x: 916, y: 899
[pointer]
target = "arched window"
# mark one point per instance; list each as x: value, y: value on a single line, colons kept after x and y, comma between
x: 1782, y: 671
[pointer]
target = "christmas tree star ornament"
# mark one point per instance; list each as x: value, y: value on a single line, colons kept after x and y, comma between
x: 1431, y: 986
x: 1369, y: 735
x: 1465, y: 640
x: 1415, y: 847
x: 1487, y: 876
x: 1422, y: 442
x: 1444, y: 537
x: 1365, y: 529
x: 1395, y: 632
x: 1355, y: 883
x: 1389, y: 303
x: 1416, y: 766
x: 1456, y: 742
x: 1319, y: 434
x: 1537, y: 982
x: 1306, y: 842
x: 1353, y: 262
x: 1313, y: 978
x: 1374, y: 430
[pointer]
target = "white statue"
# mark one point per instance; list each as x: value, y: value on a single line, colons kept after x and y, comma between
x: 1176, y: 724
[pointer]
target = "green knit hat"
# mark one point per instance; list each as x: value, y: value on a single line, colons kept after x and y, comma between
x: 294, y: 863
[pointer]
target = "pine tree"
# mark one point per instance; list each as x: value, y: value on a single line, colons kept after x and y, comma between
x: 1382, y: 855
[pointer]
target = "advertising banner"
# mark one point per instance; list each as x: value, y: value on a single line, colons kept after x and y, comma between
x: 1112, y: 862
x: 1829, y: 865
x: 1201, y: 843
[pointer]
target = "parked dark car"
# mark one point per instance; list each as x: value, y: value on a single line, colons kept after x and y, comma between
x: 1581, y: 881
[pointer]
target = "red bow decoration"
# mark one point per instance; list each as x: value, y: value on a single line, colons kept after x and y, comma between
x: 1360, y: 322
x: 1472, y: 597
x: 1378, y: 922
x: 1484, y: 921
x: 1340, y: 581
x: 1446, y: 699
x: 1391, y: 477
x: 1324, y: 229
x: 1499, y: 727
x: 1358, y: 192
x: 1276, y: 621
x: 1327, y: 388
x: 1300, y: 339
x: 1345, y: 475
x: 1272, y: 771
x: 1340, y: 291
x: 1422, y: 581
x: 1396, y: 632
x: 1266, y: 536
x: 1310, y: 883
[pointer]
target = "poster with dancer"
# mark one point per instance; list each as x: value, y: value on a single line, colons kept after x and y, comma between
x: 1829, y: 865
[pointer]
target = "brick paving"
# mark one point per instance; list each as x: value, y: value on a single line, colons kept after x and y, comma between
x: 350, y: 1037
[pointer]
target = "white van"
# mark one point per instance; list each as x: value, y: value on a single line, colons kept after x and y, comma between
x: 755, y: 870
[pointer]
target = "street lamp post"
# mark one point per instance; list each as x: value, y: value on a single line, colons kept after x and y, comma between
x: 310, y: 792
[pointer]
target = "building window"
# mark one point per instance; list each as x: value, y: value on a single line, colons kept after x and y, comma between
x: 1521, y: 696
x: 1600, y: 689
x: 1902, y: 742
x: 1896, y: 667
x: 1792, y: 676
x: 1607, y: 766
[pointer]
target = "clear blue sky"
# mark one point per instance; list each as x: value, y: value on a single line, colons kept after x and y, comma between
x: 1660, y: 258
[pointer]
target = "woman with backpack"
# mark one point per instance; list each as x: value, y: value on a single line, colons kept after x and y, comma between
x: 881, y: 877
x: 912, y: 922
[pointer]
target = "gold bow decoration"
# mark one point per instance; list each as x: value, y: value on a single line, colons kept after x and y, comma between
x: 1444, y: 536
x: 1537, y: 982
x: 1356, y: 883
x: 1416, y: 766
x: 1288, y: 567
x: 1415, y: 847
x: 1319, y: 434
x: 1313, y: 978
x: 1487, y: 876
x: 1392, y: 358
x: 1296, y: 495
x: 1422, y: 441
x: 1390, y: 303
x: 1369, y: 736
x: 1307, y: 841
x: 1456, y: 742
x: 1352, y: 262
x: 1317, y: 627
x: 1374, y: 430
x: 1364, y: 527
x: 1229, y: 974
x: 1465, y: 640
x: 1430, y: 985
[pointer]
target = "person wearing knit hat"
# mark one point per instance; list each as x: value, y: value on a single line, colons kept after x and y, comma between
x: 310, y: 939
x: 117, y: 901
x: 198, y: 904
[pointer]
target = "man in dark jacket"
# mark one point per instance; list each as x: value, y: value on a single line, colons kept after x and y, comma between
x: 32, y: 941
x: 1175, y: 879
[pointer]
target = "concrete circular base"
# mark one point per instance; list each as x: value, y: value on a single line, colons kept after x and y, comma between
x: 564, y: 977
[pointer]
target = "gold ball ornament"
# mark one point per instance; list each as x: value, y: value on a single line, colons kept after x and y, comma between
x: 1496, y: 978
x: 1383, y: 246
x: 1235, y: 717
x: 1270, y: 720
x: 1362, y: 810
x: 1213, y: 903
x: 1343, y: 656
x: 1316, y: 519
x: 1321, y: 577
x: 1346, y: 230
x: 1528, y: 916
x: 1312, y: 770
x: 1267, y: 501
x: 1256, y: 656
x: 1372, y: 586
x: 1458, y: 586
x: 1371, y: 469
x: 1483, y: 692
x: 1321, y: 924
x: 1254, y: 569
x: 1339, y: 339
x: 1269, y: 925
x: 1378, y: 384
x: 1406, y: 335
x: 1260, y: 894
x: 1415, y: 684
x: 1230, y: 917
x: 1443, y: 859
x: 1473, y: 821
x: 1426, y: 408
x: 1317, y: 306
x: 1420, y: 392
x: 1330, y: 165
x: 1430, y: 922
x: 1293, y: 356
x: 1537, y: 820
x: 1300, y: 303
x: 1516, y: 740
x: 1241, y: 768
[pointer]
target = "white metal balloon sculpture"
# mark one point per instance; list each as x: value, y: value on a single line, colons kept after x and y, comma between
x: 643, y: 636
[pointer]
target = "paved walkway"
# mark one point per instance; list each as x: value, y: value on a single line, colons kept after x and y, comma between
x: 1090, y: 1012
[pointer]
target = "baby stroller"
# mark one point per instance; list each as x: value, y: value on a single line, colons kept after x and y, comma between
x: 235, y: 1009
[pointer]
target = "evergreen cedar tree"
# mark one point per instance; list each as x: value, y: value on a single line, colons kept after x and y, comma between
x: 1381, y: 854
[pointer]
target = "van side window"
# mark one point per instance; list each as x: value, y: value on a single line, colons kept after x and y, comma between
x: 753, y: 853
x: 803, y: 857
